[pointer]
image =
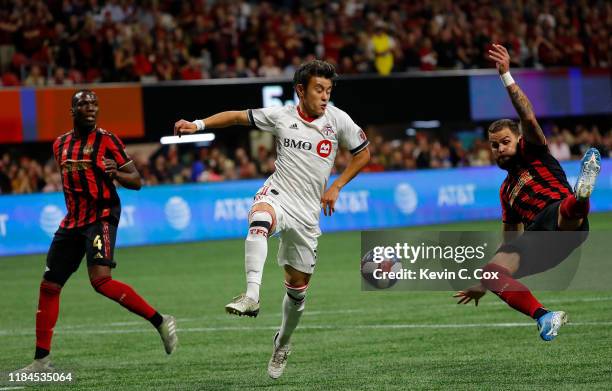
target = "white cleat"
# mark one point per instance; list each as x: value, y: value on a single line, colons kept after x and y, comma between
x: 278, y: 361
x: 167, y: 331
x: 590, y: 167
x: 242, y: 305
x: 41, y: 365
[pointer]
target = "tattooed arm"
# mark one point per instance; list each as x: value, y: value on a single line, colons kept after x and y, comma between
x: 529, y: 124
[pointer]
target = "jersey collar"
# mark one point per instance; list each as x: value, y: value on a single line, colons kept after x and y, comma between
x: 304, y: 116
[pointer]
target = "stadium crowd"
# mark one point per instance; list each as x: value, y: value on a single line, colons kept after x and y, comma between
x: 24, y: 174
x: 59, y: 42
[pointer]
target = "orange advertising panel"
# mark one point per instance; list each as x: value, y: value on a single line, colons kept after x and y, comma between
x: 10, y: 117
x: 121, y: 111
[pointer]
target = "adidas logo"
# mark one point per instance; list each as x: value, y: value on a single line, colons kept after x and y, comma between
x: 293, y: 126
x: 98, y: 256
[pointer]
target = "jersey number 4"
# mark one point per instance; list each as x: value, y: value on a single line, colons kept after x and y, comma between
x: 97, y: 242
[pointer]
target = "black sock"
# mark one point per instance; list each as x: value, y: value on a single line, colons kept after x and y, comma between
x: 156, y: 320
x: 539, y: 312
x: 40, y: 353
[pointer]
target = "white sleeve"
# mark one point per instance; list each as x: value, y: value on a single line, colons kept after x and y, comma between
x: 351, y: 136
x: 264, y: 119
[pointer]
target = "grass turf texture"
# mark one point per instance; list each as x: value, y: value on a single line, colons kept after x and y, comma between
x: 346, y: 340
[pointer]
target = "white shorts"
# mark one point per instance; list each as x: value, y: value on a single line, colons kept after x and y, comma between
x: 298, y: 243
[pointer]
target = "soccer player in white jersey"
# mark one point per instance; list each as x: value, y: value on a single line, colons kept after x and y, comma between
x: 307, y: 139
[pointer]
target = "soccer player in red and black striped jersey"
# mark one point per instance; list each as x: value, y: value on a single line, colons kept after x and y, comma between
x: 535, y: 196
x: 90, y: 160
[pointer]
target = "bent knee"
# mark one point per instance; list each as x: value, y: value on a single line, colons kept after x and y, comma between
x: 97, y: 283
x: 509, y: 261
x: 263, y: 213
x: 264, y: 207
x: 260, y: 225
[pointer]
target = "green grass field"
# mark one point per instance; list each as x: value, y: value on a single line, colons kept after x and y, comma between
x: 348, y: 339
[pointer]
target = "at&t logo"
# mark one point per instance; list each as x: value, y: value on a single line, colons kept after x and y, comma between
x: 50, y: 218
x: 178, y: 213
x: 406, y: 198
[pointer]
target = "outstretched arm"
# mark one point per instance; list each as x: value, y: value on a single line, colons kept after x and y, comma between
x: 219, y: 120
x: 359, y: 161
x: 531, y: 129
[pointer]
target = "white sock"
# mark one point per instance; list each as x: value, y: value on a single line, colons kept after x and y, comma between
x: 293, y: 307
x: 256, y: 251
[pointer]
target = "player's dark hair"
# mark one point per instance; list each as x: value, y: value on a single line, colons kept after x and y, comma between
x: 81, y: 91
x: 316, y: 68
x: 501, y: 124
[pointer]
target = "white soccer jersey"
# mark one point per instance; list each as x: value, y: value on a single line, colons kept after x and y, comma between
x: 305, y: 155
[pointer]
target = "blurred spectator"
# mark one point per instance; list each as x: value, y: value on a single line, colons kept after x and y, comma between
x: 59, y: 78
x: 269, y: 68
x: 240, y: 69
x: 427, y: 56
x: 383, y: 47
x: 20, y: 182
x: 9, y: 24
x: 252, y: 68
x: 559, y: 148
x: 10, y: 79
x: 5, y: 180
x: 35, y: 78
x: 192, y: 71
x: 222, y: 71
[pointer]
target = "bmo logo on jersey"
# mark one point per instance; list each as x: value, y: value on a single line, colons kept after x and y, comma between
x: 297, y: 144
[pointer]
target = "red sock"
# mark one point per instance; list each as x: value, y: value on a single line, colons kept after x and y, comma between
x: 573, y: 209
x: 46, y: 316
x: 515, y: 294
x: 124, y: 295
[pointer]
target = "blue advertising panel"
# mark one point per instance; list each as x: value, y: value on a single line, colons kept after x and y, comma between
x: 553, y: 94
x: 170, y: 214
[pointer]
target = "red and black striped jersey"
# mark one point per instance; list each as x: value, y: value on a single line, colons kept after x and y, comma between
x: 537, y: 181
x: 89, y: 193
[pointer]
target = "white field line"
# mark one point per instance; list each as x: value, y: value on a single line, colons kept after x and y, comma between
x: 209, y: 318
x: 307, y: 313
x: 318, y: 313
x: 304, y: 327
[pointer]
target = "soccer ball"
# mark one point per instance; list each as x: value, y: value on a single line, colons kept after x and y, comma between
x: 370, y: 269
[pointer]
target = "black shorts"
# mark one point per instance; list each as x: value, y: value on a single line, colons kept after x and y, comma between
x: 96, y: 240
x: 542, y: 246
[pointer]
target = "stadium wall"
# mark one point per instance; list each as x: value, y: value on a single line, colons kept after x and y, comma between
x: 183, y: 213
x: 474, y: 95
x: 133, y: 110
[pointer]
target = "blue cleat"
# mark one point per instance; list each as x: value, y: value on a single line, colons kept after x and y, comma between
x: 589, y: 169
x: 550, y: 323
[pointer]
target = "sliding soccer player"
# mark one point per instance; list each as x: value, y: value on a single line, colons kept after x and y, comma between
x: 535, y: 196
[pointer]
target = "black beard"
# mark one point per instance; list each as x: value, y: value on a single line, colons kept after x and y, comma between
x: 508, y: 164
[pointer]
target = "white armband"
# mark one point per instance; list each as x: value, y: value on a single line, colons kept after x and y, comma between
x: 199, y: 124
x: 507, y: 79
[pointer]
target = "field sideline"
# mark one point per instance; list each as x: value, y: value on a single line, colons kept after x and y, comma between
x: 348, y: 339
